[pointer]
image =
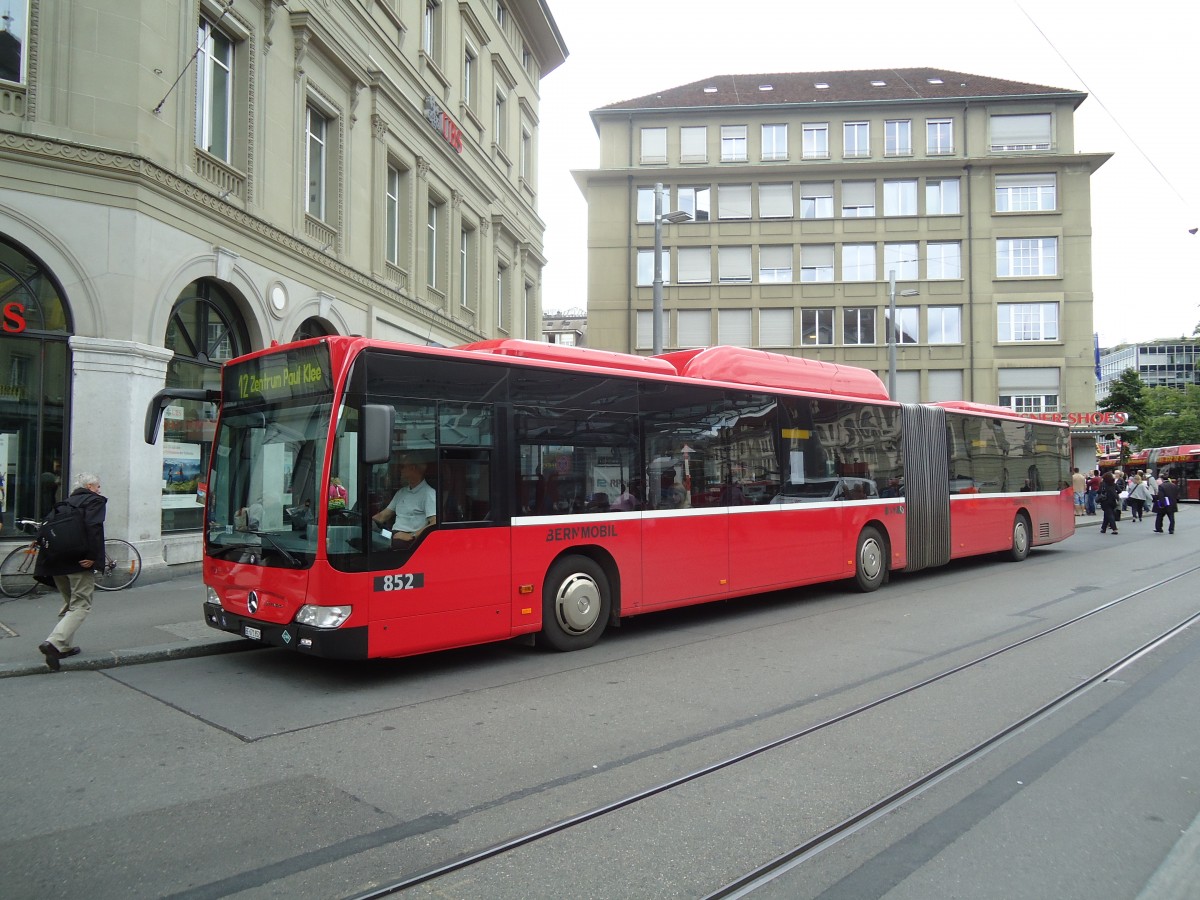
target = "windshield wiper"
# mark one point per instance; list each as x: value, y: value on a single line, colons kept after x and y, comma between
x: 284, y: 552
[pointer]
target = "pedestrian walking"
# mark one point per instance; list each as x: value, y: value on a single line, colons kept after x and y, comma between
x: 1139, y: 497
x: 74, y: 578
x: 1165, y: 505
x: 1108, y: 500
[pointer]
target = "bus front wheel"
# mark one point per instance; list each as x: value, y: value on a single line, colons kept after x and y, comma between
x: 575, y: 603
x: 870, y: 560
x: 1020, y: 538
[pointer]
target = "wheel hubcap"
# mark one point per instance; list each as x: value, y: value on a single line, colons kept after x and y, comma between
x: 870, y: 560
x: 1020, y: 537
x: 577, y: 604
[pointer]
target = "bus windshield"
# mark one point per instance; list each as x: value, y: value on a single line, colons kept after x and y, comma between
x: 264, y: 484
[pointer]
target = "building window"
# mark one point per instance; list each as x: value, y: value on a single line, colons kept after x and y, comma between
x: 645, y: 204
x: 693, y: 143
x: 432, y: 244
x: 525, y: 163
x: 695, y: 327
x: 695, y: 265
x: 1027, y: 404
x: 775, y: 264
x: 733, y: 143
x: 943, y: 260
x: 941, y: 197
x: 774, y: 142
x: 775, y: 201
x: 816, y: 327
x: 815, y: 138
x: 775, y: 328
x: 654, y: 145
x: 501, y: 15
x: 204, y: 331
x: 14, y: 47
x: 733, y: 265
x: 214, y: 92
x: 939, y: 137
x: 645, y: 267
x: 733, y: 201
x: 470, y: 86
x: 1026, y: 257
x: 858, y: 262
x: 502, y: 296
x: 316, y: 149
x: 500, y: 121
x: 644, y: 338
x: 945, y: 324
x: 816, y: 200
x: 696, y: 202
x: 901, y: 258
x: 431, y: 29
x: 1027, y: 322
x: 393, y: 204
x: 466, y: 267
x: 858, y: 325
x: 907, y: 318
x: 897, y: 137
x: 734, y: 327
x: 858, y: 199
x: 944, y: 384
x: 816, y: 263
x: 856, y: 140
x: 900, y: 198
x: 1021, y: 132
x: 1026, y: 193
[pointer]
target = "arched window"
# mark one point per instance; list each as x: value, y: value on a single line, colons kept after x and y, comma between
x: 35, y: 385
x: 205, y: 330
x: 313, y: 327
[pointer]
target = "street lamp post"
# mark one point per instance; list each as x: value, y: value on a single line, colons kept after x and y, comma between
x: 892, y: 329
x: 659, y: 218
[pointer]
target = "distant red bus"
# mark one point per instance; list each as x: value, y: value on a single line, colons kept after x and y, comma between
x: 1181, y: 462
x: 549, y: 490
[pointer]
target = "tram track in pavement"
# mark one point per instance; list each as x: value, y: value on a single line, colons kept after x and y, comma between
x: 785, y: 862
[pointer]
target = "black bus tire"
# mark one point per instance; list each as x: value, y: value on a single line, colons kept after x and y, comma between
x: 870, y: 560
x: 575, y: 603
x: 1021, y: 538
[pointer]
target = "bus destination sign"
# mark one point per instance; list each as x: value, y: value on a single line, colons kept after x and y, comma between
x: 279, y: 376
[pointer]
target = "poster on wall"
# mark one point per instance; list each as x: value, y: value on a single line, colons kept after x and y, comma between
x: 180, y: 474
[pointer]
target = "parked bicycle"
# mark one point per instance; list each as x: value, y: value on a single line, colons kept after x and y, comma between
x: 121, y: 568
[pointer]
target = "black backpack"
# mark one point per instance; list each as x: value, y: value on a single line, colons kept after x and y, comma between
x: 63, y: 536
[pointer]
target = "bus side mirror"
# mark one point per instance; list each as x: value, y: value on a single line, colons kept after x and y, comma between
x: 375, y: 435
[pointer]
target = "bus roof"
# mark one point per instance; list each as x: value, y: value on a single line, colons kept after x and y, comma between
x: 731, y: 365
x: 985, y: 409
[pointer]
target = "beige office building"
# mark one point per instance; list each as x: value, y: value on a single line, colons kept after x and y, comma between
x: 183, y: 181
x: 807, y: 191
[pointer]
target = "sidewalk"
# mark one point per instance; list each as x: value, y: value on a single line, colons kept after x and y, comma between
x: 150, y: 621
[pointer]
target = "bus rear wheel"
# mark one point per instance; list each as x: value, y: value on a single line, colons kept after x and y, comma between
x: 1020, y: 538
x: 870, y: 560
x: 575, y: 603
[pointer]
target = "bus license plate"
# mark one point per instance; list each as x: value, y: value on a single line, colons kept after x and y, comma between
x: 255, y: 634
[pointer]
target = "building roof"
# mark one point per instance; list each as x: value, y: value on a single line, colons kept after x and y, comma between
x: 857, y: 86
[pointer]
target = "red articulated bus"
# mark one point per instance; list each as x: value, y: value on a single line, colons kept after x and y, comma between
x: 367, y: 499
x: 1181, y: 462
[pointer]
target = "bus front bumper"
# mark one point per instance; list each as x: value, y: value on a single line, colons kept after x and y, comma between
x: 330, y: 643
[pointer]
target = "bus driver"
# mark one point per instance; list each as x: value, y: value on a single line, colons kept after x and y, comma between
x: 413, y: 508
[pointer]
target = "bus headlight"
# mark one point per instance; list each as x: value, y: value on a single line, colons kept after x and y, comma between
x: 213, y: 597
x: 323, y: 616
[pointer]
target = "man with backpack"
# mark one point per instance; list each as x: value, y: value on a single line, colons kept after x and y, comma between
x: 71, y: 545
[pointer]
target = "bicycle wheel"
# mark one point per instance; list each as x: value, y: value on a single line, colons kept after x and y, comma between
x: 122, y: 565
x: 16, y: 572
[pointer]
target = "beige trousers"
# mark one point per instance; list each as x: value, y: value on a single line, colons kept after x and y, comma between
x: 76, y: 590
